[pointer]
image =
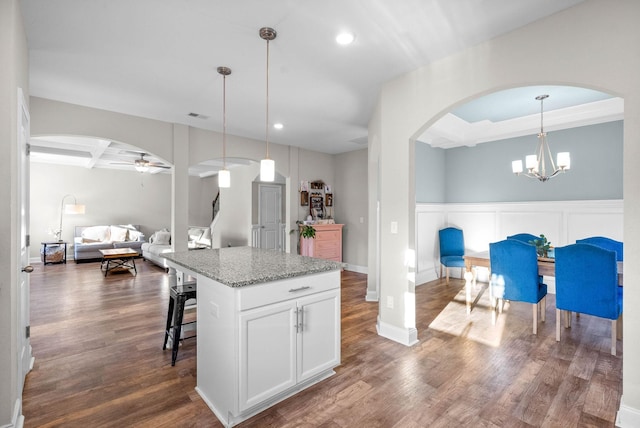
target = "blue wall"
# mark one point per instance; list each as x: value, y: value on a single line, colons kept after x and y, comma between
x: 483, y: 173
x: 430, y: 173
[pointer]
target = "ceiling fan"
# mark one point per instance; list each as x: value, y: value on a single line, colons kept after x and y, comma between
x: 142, y: 164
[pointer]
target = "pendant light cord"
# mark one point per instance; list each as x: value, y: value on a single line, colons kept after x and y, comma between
x: 224, y: 121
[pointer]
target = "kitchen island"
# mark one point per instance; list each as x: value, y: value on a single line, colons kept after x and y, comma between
x: 268, y: 325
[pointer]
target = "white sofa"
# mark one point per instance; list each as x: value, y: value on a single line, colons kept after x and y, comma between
x: 160, y: 242
x: 89, y: 240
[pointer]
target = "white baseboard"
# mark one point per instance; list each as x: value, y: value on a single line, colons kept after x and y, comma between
x: 405, y: 336
x: 627, y: 417
x: 355, y: 268
x: 17, y: 420
x: 426, y: 276
x: 372, y: 296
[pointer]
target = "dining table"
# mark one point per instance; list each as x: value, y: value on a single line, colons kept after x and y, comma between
x: 546, y: 267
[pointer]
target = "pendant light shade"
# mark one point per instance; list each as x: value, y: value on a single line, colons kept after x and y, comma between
x: 267, y: 170
x: 224, y: 176
x: 267, y: 165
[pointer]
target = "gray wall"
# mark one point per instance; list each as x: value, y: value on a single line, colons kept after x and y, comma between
x: 430, y: 173
x: 483, y: 173
x: 350, y: 202
x: 202, y: 192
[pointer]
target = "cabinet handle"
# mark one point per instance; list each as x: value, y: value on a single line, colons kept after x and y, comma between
x: 297, y: 324
x: 301, y: 319
x: 293, y: 290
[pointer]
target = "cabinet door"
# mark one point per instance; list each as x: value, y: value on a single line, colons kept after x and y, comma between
x: 267, y: 352
x: 319, y: 337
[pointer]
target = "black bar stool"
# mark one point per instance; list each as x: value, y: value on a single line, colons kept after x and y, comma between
x: 179, y: 295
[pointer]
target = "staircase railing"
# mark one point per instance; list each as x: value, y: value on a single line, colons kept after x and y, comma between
x: 215, y: 206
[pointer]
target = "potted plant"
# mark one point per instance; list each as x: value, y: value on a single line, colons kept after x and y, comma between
x: 542, y: 246
x: 308, y: 232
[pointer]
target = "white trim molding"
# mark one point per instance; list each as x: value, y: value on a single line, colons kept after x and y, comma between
x: 356, y: 268
x: 627, y: 417
x: 405, y: 336
x: 17, y: 420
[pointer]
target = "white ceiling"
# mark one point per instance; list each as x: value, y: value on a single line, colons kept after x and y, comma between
x: 158, y: 59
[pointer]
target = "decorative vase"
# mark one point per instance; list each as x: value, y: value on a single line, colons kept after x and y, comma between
x: 306, y: 247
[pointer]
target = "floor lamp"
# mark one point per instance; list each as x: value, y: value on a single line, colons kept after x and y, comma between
x: 68, y: 209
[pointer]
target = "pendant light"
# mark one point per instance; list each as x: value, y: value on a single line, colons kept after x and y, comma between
x: 267, y: 165
x: 224, y: 176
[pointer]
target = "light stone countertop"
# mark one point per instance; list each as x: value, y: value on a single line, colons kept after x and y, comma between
x: 241, y: 266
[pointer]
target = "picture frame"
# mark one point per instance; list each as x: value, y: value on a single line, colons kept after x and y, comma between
x: 304, y: 198
x: 316, y: 205
x: 328, y: 199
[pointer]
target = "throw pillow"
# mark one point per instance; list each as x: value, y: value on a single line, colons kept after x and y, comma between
x: 118, y: 234
x: 162, y: 238
x: 134, y: 235
x: 95, y: 234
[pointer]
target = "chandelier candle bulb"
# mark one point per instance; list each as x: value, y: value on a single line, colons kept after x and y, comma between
x: 516, y: 165
x: 564, y: 161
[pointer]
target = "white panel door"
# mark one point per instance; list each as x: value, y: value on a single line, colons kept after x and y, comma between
x: 319, y: 335
x: 270, y: 209
x: 25, y: 358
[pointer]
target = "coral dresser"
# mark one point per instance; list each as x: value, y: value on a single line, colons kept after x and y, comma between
x: 327, y: 243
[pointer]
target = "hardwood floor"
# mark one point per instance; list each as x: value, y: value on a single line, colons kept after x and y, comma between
x: 99, y: 363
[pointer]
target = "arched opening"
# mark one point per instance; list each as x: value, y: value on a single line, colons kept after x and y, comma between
x: 463, y: 173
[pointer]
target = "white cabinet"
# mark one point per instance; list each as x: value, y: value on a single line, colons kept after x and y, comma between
x: 286, y: 343
x: 267, y: 352
x: 260, y: 344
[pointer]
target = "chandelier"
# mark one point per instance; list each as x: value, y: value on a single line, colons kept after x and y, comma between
x: 536, y: 164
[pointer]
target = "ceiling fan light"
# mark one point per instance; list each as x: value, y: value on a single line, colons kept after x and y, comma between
x: 141, y: 168
x: 224, y: 178
x: 267, y: 170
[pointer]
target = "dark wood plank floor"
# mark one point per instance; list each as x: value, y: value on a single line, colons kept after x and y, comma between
x: 99, y: 363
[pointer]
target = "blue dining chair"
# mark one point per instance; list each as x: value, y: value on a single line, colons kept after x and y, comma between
x: 606, y: 243
x: 451, y: 249
x: 587, y: 282
x: 527, y: 238
x: 514, y: 276
x: 524, y: 237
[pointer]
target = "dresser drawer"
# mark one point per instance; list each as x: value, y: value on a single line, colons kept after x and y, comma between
x: 253, y: 296
x: 329, y: 235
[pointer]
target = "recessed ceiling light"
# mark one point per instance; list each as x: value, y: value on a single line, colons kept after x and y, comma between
x: 278, y: 125
x: 345, y: 38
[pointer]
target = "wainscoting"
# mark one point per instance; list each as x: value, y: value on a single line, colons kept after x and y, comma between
x: 562, y: 222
